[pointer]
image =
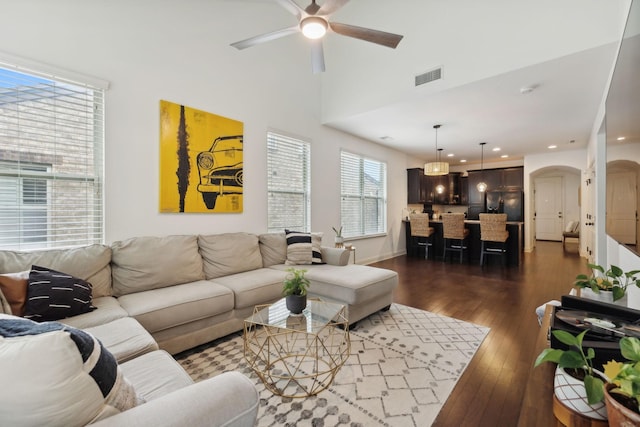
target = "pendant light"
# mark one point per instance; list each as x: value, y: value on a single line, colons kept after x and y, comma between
x: 438, y: 167
x: 482, y: 186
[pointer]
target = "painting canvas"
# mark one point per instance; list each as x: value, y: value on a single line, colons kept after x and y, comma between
x: 201, y: 157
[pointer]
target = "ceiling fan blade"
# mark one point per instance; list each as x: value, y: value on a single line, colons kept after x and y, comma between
x: 312, y: 9
x: 330, y: 6
x: 317, y: 56
x: 292, y: 7
x: 374, y: 36
x: 243, y: 44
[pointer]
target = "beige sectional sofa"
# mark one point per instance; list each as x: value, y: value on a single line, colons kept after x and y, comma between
x: 176, y: 292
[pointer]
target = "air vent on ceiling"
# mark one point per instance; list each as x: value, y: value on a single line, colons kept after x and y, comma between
x: 429, y: 76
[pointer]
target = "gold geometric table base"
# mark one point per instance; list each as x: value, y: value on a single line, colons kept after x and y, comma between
x: 297, y: 356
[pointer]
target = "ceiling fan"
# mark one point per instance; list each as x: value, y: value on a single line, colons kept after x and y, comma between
x: 313, y: 22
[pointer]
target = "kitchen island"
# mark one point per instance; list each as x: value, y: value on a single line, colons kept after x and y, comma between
x: 515, y: 243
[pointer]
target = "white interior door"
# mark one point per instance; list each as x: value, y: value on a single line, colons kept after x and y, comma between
x: 621, y: 206
x: 548, y: 208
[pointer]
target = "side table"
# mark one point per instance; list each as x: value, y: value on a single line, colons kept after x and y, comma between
x: 297, y: 355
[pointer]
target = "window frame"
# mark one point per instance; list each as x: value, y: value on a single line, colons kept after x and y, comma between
x: 21, y: 160
x: 278, y: 194
x: 361, y: 232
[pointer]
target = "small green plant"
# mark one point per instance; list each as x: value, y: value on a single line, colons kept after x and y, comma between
x: 295, y: 283
x: 626, y: 375
x: 338, y: 231
x: 577, y: 359
x: 614, y: 279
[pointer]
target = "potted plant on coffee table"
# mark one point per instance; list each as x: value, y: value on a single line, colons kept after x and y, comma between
x: 576, y: 383
x: 606, y: 285
x: 295, y: 290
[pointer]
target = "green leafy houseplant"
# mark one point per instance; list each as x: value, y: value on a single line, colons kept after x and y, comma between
x: 575, y: 359
x: 338, y: 231
x: 295, y: 283
x: 295, y: 290
x: 614, y: 279
x: 626, y: 375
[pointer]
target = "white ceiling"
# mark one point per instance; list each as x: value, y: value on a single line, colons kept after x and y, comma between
x: 489, y: 50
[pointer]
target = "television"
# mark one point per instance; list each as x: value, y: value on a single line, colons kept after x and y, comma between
x: 623, y: 138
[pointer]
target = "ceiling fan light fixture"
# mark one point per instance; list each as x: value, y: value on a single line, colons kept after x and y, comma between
x: 313, y: 27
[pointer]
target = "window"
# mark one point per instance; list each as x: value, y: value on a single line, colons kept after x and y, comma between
x: 51, y: 161
x: 364, y: 195
x: 288, y: 183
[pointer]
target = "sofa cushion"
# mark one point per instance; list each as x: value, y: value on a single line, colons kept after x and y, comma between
x: 59, y: 376
x: 107, y: 311
x: 144, y: 263
x: 90, y: 263
x: 273, y: 247
x: 229, y: 253
x: 125, y: 338
x: 303, y: 248
x: 164, y: 308
x: 254, y: 287
x: 352, y: 284
x: 155, y: 374
x: 53, y: 295
x: 14, y: 288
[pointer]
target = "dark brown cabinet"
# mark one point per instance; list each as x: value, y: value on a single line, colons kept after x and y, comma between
x: 499, y: 181
x: 443, y: 190
x: 416, y: 186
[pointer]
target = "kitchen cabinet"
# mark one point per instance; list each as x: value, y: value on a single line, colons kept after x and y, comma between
x: 464, y: 190
x: 449, y: 186
x: 416, y: 186
x: 424, y: 189
x: 501, y: 183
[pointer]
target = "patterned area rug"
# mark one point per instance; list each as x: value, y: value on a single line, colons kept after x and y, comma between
x: 404, y: 364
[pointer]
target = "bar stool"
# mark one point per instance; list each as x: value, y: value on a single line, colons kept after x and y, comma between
x: 494, y: 235
x: 455, y: 234
x: 421, y: 232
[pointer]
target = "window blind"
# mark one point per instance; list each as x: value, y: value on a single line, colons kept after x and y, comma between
x: 363, y: 189
x: 51, y: 161
x: 288, y: 183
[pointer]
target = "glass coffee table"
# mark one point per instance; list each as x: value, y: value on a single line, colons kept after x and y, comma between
x: 297, y: 355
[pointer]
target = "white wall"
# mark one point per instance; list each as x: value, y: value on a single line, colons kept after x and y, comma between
x: 178, y: 51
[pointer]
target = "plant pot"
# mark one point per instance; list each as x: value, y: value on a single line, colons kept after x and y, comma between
x: 571, y: 392
x: 339, y: 241
x: 296, y: 303
x: 603, y: 296
x: 619, y: 415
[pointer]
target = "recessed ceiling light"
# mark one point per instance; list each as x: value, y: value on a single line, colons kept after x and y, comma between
x: 495, y: 149
x: 463, y: 160
x: 450, y: 155
x: 504, y: 156
x: 527, y: 89
x: 552, y: 147
x: 620, y: 138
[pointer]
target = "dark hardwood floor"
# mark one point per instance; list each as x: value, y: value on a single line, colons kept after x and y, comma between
x: 491, y: 389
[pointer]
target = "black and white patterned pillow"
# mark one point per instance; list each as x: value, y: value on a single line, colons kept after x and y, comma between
x: 303, y: 248
x: 68, y: 376
x: 52, y: 295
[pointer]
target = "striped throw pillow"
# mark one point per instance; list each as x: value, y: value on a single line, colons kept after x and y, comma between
x: 303, y: 248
